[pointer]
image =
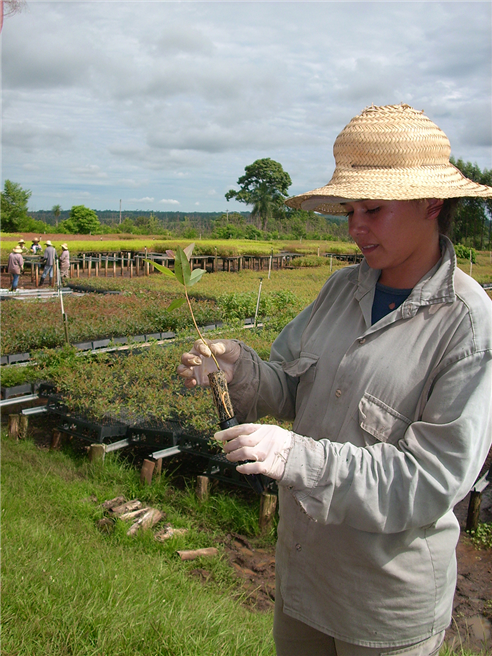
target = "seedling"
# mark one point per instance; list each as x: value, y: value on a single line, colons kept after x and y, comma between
x: 184, y: 276
x: 187, y: 278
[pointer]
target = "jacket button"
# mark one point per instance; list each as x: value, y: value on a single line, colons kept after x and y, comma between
x: 338, y: 393
x: 298, y: 547
x: 362, y: 340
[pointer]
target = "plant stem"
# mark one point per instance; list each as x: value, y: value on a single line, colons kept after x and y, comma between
x: 198, y: 329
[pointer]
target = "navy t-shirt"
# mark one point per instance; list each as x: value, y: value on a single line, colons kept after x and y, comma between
x: 387, y: 299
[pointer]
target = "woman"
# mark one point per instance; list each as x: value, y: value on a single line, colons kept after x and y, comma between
x: 388, y: 377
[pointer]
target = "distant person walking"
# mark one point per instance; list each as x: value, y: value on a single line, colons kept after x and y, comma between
x: 15, y: 267
x: 64, y: 261
x: 35, y: 246
x: 49, y: 256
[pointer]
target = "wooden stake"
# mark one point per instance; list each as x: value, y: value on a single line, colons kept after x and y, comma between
x: 55, y: 440
x: 268, y: 504
x: 202, y: 487
x: 24, y: 423
x: 97, y: 453
x: 158, y: 468
x: 147, y: 471
x: 473, y: 517
x: 13, y: 426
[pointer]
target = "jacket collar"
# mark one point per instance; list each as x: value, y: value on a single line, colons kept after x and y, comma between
x: 436, y: 286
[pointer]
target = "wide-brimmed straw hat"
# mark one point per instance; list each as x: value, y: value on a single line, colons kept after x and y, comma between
x: 21, y: 241
x: 48, y: 243
x: 65, y: 247
x: 17, y: 249
x: 35, y: 238
x: 392, y: 152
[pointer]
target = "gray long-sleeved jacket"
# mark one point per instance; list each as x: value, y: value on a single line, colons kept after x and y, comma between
x: 392, y: 423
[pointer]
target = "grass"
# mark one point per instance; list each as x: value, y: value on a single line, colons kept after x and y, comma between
x: 69, y: 589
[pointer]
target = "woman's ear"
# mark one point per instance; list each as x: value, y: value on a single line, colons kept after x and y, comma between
x: 434, y: 206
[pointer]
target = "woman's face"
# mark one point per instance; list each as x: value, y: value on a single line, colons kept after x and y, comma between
x: 399, y: 237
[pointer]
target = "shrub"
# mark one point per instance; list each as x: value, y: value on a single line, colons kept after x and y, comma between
x: 465, y: 253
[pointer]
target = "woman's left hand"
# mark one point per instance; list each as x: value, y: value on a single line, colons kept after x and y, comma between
x: 266, y: 445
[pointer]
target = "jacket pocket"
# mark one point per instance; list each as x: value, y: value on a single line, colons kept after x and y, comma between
x: 380, y: 420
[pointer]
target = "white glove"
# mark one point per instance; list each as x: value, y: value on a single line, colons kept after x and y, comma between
x: 267, y: 445
x: 198, y: 363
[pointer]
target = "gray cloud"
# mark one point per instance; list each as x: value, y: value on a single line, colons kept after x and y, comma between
x: 175, y: 99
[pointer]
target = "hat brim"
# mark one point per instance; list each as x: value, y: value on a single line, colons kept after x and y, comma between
x: 386, y: 183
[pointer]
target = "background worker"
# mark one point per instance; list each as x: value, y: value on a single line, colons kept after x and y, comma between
x: 22, y: 246
x: 64, y: 260
x: 35, y: 246
x: 15, y: 267
x: 388, y: 378
x: 49, y: 257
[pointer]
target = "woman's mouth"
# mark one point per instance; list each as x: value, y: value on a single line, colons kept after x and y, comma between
x: 367, y: 250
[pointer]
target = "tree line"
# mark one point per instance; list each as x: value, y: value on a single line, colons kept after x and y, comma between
x: 263, y: 188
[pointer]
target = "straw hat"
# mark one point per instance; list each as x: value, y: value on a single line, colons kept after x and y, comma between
x: 21, y: 241
x: 392, y: 152
x: 48, y: 243
x: 35, y: 239
x: 65, y: 247
x: 17, y: 249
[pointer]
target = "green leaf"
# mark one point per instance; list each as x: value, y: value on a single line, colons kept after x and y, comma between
x: 178, y: 302
x: 182, y: 268
x: 196, y: 275
x: 188, y: 251
x: 162, y: 269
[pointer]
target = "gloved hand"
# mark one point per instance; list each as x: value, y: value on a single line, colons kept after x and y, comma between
x: 197, y: 363
x: 267, y: 445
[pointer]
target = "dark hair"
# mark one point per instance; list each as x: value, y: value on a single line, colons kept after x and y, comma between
x: 446, y: 215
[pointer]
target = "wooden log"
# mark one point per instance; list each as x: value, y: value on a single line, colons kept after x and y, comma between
x: 473, y: 516
x: 168, y: 532
x: 147, y: 471
x: 158, y: 468
x: 113, y: 503
x: 134, y: 514
x: 128, y: 506
x: 23, y: 426
x: 268, y: 505
x: 198, y: 553
x: 97, y: 453
x: 202, y: 491
x: 13, y: 426
x: 151, y: 517
x: 55, y: 440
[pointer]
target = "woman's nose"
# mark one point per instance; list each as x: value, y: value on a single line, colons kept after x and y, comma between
x: 356, y: 224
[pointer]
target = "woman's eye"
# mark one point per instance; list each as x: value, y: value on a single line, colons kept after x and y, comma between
x: 373, y: 210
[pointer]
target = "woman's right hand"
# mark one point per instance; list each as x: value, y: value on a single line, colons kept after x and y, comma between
x: 198, y: 363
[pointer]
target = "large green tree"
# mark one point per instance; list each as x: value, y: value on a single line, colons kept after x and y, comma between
x: 14, y: 206
x: 472, y: 223
x: 82, y: 221
x: 264, y: 185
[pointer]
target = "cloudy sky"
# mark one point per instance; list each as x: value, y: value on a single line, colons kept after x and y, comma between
x: 162, y: 104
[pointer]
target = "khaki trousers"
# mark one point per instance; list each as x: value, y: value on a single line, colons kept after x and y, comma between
x: 294, y: 638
